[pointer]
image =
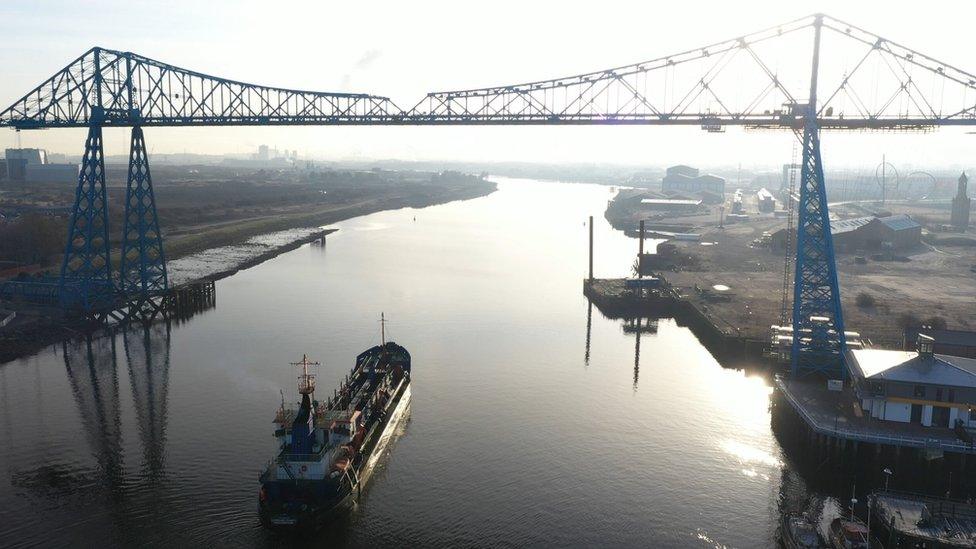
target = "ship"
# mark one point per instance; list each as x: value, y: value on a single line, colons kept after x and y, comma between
x: 327, y: 450
x: 800, y: 532
x: 851, y: 533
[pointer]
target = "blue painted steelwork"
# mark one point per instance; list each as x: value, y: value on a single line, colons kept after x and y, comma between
x: 738, y: 82
x: 86, y: 273
x: 125, y: 89
x: 113, y: 88
x: 142, y: 270
x: 818, y: 320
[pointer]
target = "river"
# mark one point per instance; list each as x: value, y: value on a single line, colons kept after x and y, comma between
x: 526, y: 427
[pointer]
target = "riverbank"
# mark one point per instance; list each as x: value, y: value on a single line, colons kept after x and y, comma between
x: 31, y: 330
x: 224, y: 251
x: 195, y: 238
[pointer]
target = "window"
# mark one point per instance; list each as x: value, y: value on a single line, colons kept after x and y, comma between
x: 877, y: 389
x: 920, y: 391
x: 952, y: 395
x: 938, y: 394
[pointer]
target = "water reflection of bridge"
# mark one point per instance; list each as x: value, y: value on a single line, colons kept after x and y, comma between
x: 92, y: 372
x: 92, y: 369
x: 147, y: 355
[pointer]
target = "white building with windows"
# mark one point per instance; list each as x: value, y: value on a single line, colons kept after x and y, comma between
x: 920, y: 387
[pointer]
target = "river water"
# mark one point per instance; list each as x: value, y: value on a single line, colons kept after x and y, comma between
x: 528, y: 426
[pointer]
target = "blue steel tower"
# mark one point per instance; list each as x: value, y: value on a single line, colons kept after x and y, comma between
x: 142, y: 272
x: 818, y: 322
x: 86, y: 274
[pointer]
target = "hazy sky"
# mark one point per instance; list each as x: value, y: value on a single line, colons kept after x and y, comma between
x: 404, y: 49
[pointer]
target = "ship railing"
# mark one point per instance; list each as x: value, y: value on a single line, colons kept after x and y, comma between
x: 288, y: 456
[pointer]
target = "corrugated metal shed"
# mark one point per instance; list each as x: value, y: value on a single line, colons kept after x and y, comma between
x: 670, y: 202
x: 840, y: 226
x: 900, y: 222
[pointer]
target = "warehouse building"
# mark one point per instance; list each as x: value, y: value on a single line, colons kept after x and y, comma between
x: 685, y: 179
x: 900, y: 231
x: 34, y: 165
x: 670, y: 205
x: 919, y: 387
x: 947, y: 342
x: 51, y: 173
x: 767, y: 204
x: 895, y: 232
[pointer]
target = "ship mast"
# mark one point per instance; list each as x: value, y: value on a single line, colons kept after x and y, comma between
x: 383, y: 329
x: 306, y: 381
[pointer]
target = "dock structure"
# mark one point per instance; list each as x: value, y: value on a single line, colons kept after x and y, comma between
x: 834, y: 420
x: 186, y: 300
x: 837, y: 415
x: 654, y: 297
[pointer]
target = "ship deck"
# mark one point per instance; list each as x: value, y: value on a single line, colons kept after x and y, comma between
x: 951, y: 523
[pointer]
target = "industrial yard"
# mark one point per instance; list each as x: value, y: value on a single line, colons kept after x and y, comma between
x: 911, y: 273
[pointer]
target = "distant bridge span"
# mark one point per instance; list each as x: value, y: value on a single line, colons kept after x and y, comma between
x: 805, y: 75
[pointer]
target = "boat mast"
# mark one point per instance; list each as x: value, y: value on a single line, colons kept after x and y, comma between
x: 306, y: 381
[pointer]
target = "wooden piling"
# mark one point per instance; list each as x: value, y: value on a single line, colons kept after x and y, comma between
x: 591, y: 248
x: 640, y: 249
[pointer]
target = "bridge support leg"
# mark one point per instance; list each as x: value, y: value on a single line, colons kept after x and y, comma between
x: 86, y: 284
x: 143, y: 267
x: 818, y: 322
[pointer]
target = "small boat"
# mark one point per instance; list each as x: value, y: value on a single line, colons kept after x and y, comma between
x: 851, y: 533
x: 799, y: 532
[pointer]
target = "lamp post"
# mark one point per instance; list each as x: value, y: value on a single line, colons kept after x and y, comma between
x: 888, y: 474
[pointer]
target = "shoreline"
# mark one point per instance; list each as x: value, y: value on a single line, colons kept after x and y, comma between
x: 39, y: 331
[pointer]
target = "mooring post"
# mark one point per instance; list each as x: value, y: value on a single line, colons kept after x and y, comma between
x: 591, y: 248
x: 640, y: 249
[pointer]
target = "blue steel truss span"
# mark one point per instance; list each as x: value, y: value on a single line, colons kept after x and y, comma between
x: 858, y: 80
x: 759, y: 79
x: 114, y: 88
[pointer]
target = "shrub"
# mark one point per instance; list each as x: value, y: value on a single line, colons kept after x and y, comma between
x: 865, y: 299
x: 909, y: 320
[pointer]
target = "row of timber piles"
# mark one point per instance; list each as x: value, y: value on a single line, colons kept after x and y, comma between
x: 918, y: 470
x: 185, y: 300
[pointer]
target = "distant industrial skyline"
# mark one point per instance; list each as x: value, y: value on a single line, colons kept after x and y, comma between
x: 406, y: 51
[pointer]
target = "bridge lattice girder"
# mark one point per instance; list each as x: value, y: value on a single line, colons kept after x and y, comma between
x: 760, y: 79
x: 117, y: 88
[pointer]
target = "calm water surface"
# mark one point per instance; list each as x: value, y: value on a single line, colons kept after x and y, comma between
x: 524, y: 428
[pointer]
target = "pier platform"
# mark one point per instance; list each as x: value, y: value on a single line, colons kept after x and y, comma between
x: 688, y: 306
x: 836, y: 414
